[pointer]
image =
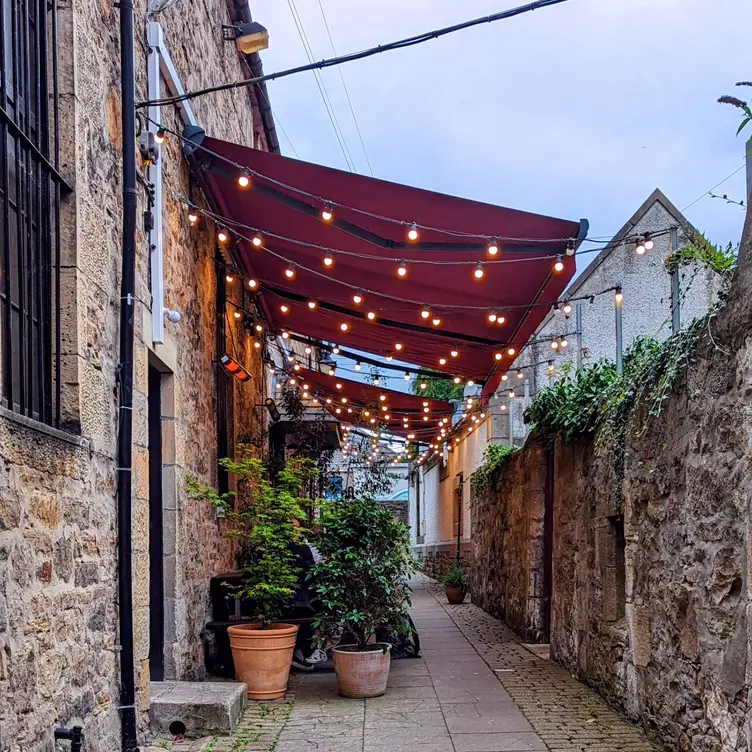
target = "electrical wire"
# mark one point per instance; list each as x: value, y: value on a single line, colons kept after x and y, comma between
x: 399, y: 44
x: 321, y: 87
x: 344, y: 86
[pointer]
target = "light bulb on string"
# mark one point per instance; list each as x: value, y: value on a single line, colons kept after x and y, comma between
x: 554, y: 344
x: 511, y: 351
x: 457, y: 379
x: 559, y: 264
x: 492, y: 317
x: 570, y: 248
x: 244, y: 180
x: 192, y: 218
x: 252, y: 284
x: 371, y: 315
x: 357, y: 365
x: 257, y: 344
x: 229, y: 278
x: 284, y: 308
x: 290, y: 272
x: 520, y: 375
x: 257, y: 241
x: 412, y: 233
x: 564, y: 342
x: 312, y: 304
x: 357, y: 298
x: 436, y: 321
x: 389, y: 356
x: 402, y: 269
x: 498, y: 356
x: 425, y: 313
x: 442, y: 361
x: 618, y: 295
x: 407, y: 375
x: 238, y: 315
x: 493, y: 247
x: 259, y: 327
x: 423, y: 385
x: 398, y: 346
x: 335, y: 350
x: 479, y: 273
x: 160, y: 135
x: 328, y: 260
x: 223, y: 236
x: 511, y: 394
x: 505, y: 377
x: 308, y: 350
x: 639, y: 247
x: 454, y: 353
x: 567, y: 308
x: 327, y: 213
x: 648, y: 242
x: 344, y: 326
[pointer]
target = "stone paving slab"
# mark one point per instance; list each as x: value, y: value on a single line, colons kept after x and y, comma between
x: 477, y: 688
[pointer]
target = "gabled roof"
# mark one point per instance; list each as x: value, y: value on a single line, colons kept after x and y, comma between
x: 627, y: 230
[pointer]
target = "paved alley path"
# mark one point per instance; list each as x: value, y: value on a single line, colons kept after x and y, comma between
x: 476, y: 689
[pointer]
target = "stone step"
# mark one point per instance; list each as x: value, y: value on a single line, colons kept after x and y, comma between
x: 196, y: 709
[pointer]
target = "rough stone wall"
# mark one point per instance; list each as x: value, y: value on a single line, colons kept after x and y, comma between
x: 650, y: 601
x: 436, y: 559
x: 507, y: 543
x: 58, y: 575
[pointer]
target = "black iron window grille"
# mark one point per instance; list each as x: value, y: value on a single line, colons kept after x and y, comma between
x: 30, y: 191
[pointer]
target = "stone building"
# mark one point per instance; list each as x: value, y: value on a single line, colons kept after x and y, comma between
x: 646, y: 311
x: 59, y: 308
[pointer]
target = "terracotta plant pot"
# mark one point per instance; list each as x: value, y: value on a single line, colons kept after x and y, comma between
x: 362, y: 674
x: 455, y: 594
x: 262, y: 658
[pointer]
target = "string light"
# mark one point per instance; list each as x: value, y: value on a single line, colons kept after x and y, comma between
x: 223, y: 237
x: 498, y: 356
x: 559, y: 265
x: 478, y: 273
x: 412, y: 233
x: 436, y: 321
x: 160, y: 136
x: 511, y: 394
x: 639, y: 247
x: 564, y: 342
x: 493, y: 247
x: 649, y: 244
x: 407, y: 375
x: 253, y: 284
x: 457, y: 379
x: 357, y: 298
x: 192, y: 219
x: 335, y: 350
x: 619, y: 295
x: 257, y: 241
x: 511, y: 351
x: 389, y: 356
x: 229, y: 278
x: 238, y: 314
x: 328, y: 260
x: 357, y: 365
x: 286, y: 335
x: 398, y: 346
x: 554, y: 344
x: 570, y: 248
x: 290, y: 272
x: 492, y: 317
x: 442, y: 361
x: 371, y: 315
x: 327, y: 213
x: 425, y: 313
x: 284, y: 309
x: 344, y: 326
x: 259, y: 328
x: 312, y: 304
x: 520, y: 375
x: 308, y: 351
x: 402, y: 269
x: 244, y: 180
x: 423, y: 385
x: 454, y: 353
x: 567, y: 308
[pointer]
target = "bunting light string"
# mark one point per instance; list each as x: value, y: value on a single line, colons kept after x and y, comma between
x: 227, y: 224
x: 328, y: 207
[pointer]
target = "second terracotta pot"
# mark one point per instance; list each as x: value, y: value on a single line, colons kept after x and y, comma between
x: 262, y: 657
x: 455, y: 594
x: 362, y: 674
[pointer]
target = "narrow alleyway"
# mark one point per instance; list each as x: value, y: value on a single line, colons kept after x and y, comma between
x: 476, y: 689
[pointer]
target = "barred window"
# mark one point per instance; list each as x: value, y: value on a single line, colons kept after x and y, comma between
x: 30, y: 190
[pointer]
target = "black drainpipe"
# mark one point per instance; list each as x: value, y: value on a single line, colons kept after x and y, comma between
x: 125, y: 379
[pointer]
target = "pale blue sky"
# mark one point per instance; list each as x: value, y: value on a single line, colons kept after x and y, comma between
x: 578, y: 110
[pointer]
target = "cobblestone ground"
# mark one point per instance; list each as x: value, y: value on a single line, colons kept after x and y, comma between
x: 476, y: 689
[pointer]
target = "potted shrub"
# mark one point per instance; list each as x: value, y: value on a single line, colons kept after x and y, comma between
x: 361, y: 586
x: 260, y: 517
x: 455, y: 584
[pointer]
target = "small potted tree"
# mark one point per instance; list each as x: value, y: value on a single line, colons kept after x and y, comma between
x: 455, y: 584
x: 361, y: 587
x: 260, y: 517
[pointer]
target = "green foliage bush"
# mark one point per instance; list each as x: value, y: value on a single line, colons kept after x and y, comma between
x: 260, y: 517
x: 362, y: 581
x: 455, y: 577
x: 439, y: 389
x: 493, y: 458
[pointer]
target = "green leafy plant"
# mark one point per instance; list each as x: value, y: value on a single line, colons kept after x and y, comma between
x: 439, y: 389
x: 455, y: 577
x: 493, y: 458
x: 260, y: 518
x: 361, y: 583
x: 569, y: 407
x: 701, y: 251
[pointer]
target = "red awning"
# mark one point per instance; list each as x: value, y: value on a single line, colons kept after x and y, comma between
x: 367, y: 239
x: 385, y: 407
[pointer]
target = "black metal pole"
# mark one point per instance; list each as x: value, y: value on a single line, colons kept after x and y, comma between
x: 125, y: 376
